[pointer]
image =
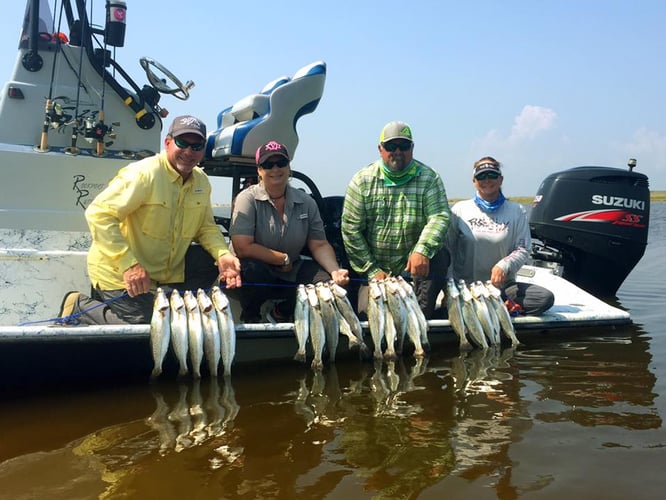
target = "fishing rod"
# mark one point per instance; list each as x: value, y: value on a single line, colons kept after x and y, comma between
x: 114, y: 35
x: 73, y: 149
x: 51, y: 110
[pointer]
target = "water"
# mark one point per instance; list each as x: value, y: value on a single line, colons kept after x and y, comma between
x: 575, y: 414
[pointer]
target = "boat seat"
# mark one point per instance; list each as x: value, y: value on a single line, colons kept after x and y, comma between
x: 268, y: 115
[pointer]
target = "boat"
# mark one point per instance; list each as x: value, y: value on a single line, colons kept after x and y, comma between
x: 71, y: 116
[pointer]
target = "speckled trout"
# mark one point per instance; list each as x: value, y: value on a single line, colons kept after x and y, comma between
x: 211, y: 332
x: 355, y: 333
x: 179, y: 339
x: 454, y: 308
x: 484, y: 315
x: 415, y: 308
x: 330, y: 316
x: 376, y: 317
x: 469, y: 316
x: 160, y: 330
x: 503, y: 315
x: 301, y: 322
x: 317, y: 333
x: 194, y: 332
x: 225, y: 323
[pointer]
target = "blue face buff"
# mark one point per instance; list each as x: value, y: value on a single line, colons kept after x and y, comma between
x: 489, y: 206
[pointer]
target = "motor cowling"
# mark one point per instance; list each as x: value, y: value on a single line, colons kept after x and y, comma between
x: 597, y: 219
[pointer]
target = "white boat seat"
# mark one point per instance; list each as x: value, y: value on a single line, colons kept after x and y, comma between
x: 269, y: 115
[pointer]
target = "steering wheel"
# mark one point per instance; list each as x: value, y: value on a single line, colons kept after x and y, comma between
x: 180, y: 91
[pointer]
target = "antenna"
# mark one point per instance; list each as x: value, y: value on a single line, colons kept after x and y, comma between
x: 631, y: 164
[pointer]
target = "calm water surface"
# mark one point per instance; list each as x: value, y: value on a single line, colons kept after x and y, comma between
x: 569, y: 414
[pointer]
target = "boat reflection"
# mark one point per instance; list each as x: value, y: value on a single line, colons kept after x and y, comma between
x: 596, y: 380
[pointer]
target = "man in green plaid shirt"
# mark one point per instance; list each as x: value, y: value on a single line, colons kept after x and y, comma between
x: 395, y: 219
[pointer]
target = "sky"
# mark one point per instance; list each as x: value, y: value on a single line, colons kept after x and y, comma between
x: 542, y: 86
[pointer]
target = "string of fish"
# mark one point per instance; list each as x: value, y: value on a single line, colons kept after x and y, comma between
x: 478, y: 315
x: 197, y: 324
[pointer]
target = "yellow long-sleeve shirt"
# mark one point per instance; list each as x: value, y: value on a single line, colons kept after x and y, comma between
x: 147, y: 215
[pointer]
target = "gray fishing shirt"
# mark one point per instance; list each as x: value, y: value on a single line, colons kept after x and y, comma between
x: 255, y: 215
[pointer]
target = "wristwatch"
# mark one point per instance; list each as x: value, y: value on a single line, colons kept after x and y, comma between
x: 286, y: 260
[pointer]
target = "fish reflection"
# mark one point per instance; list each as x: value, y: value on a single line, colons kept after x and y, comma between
x: 394, y: 433
x: 324, y: 403
x: 481, y: 370
x: 192, y: 421
x: 488, y: 410
x: 317, y: 404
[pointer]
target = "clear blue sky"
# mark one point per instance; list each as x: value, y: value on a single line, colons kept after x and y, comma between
x: 540, y: 85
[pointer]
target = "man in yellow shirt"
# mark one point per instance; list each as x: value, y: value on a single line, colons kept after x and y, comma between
x: 153, y: 226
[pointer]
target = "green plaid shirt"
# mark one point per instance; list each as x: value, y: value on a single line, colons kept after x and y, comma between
x: 382, y: 225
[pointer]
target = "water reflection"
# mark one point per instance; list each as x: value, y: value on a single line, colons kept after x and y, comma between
x: 601, y: 380
x: 390, y: 429
x: 191, y: 421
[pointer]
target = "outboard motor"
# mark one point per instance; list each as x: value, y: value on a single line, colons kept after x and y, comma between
x: 594, y: 222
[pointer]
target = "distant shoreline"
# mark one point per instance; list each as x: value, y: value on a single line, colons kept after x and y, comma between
x: 526, y: 200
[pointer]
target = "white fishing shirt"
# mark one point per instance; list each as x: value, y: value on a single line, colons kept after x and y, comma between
x: 479, y: 240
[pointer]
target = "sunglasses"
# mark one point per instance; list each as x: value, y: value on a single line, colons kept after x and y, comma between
x: 487, y: 175
x: 196, y: 146
x: 282, y: 162
x: 392, y: 146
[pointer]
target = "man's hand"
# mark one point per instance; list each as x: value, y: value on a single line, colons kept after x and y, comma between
x: 137, y: 281
x: 418, y: 265
x: 381, y: 275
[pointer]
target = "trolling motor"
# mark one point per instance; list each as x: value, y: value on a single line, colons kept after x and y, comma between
x: 593, y: 221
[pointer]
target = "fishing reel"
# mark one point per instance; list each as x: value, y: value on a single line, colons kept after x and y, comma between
x: 95, y: 130
x: 55, y: 113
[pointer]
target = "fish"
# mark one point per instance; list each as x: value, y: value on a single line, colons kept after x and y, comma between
x: 347, y: 312
x: 301, y: 322
x: 506, y: 323
x: 317, y: 332
x: 405, y: 327
x: 195, y: 334
x: 376, y: 317
x: 470, y: 318
x: 225, y: 323
x: 415, y: 308
x: 398, y: 309
x: 454, y: 308
x: 179, y: 337
x: 390, y: 332
x: 483, y: 290
x: 483, y: 313
x: 211, y: 332
x: 160, y: 331
x: 330, y: 316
